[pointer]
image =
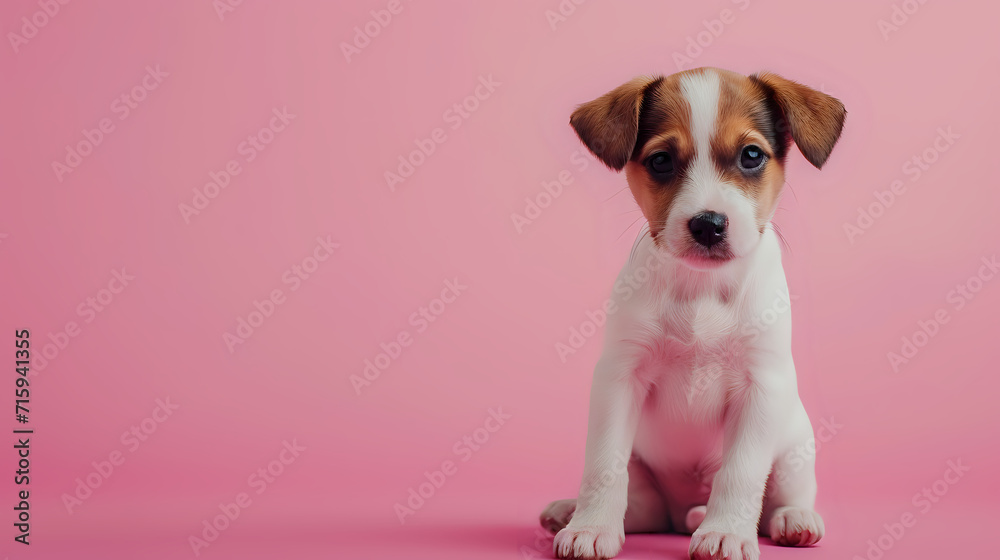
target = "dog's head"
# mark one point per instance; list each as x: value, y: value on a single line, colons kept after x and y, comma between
x: 704, y: 152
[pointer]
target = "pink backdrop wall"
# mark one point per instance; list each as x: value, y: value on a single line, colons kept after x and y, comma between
x: 306, y: 218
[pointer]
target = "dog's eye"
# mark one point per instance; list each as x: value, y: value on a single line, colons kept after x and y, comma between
x: 660, y: 165
x: 752, y: 158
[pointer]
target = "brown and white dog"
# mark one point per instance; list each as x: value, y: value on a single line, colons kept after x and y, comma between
x: 694, y: 409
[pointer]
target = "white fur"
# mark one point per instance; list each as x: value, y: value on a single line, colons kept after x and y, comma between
x: 701, y: 91
x: 689, y: 385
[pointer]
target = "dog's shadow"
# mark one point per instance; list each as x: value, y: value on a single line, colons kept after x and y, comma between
x: 670, y: 546
x: 537, y: 543
x: 642, y: 546
x: 524, y: 542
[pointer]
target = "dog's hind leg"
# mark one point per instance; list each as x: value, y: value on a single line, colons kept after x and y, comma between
x: 788, y: 516
x: 557, y: 514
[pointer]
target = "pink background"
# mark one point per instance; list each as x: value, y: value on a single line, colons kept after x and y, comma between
x: 494, y: 346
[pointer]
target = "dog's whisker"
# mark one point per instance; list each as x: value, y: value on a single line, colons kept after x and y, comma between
x: 629, y: 227
x: 614, y: 195
x: 643, y: 232
x: 781, y: 237
x: 792, y: 191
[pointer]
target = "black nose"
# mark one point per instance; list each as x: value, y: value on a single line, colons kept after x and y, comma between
x: 708, y: 228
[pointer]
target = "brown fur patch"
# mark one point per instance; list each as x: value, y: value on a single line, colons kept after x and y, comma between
x: 665, y: 116
x: 664, y: 125
x: 745, y: 118
x: 654, y: 199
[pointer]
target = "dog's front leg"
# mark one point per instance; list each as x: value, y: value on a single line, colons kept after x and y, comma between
x: 734, y: 505
x: 597, y: 527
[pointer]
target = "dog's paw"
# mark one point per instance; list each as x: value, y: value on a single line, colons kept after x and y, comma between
x: 557, y: 515
x: 717, y: 545
x: 694, y: 518
x: 589, y: 541
x: 793, y: 526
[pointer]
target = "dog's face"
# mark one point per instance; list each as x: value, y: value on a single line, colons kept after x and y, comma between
x: 704, y: 153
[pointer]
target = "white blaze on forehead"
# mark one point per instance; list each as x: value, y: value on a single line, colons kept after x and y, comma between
x: 701, y: 91
x: 704, y: 189
x: 702, y: 94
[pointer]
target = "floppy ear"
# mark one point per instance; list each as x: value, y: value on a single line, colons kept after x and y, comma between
x: 609, y: 125
x: 813, y: 118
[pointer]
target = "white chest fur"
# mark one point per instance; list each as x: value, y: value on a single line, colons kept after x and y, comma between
x: 695, y: 355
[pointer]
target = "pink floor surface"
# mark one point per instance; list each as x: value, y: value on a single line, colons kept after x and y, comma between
x: 952, y: 528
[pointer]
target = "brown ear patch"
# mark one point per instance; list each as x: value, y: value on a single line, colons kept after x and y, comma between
x: 609, y: 125
x: 812, y: 118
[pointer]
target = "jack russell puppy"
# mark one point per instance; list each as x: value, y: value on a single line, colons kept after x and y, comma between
x: 694, y: 409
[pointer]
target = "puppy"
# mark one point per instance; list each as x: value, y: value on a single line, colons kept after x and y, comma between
x: 694, y: 408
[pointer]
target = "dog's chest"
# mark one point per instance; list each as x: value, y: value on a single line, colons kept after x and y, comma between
x: 695, y: 362
x: 697, y: 335
x: 696, y: 359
